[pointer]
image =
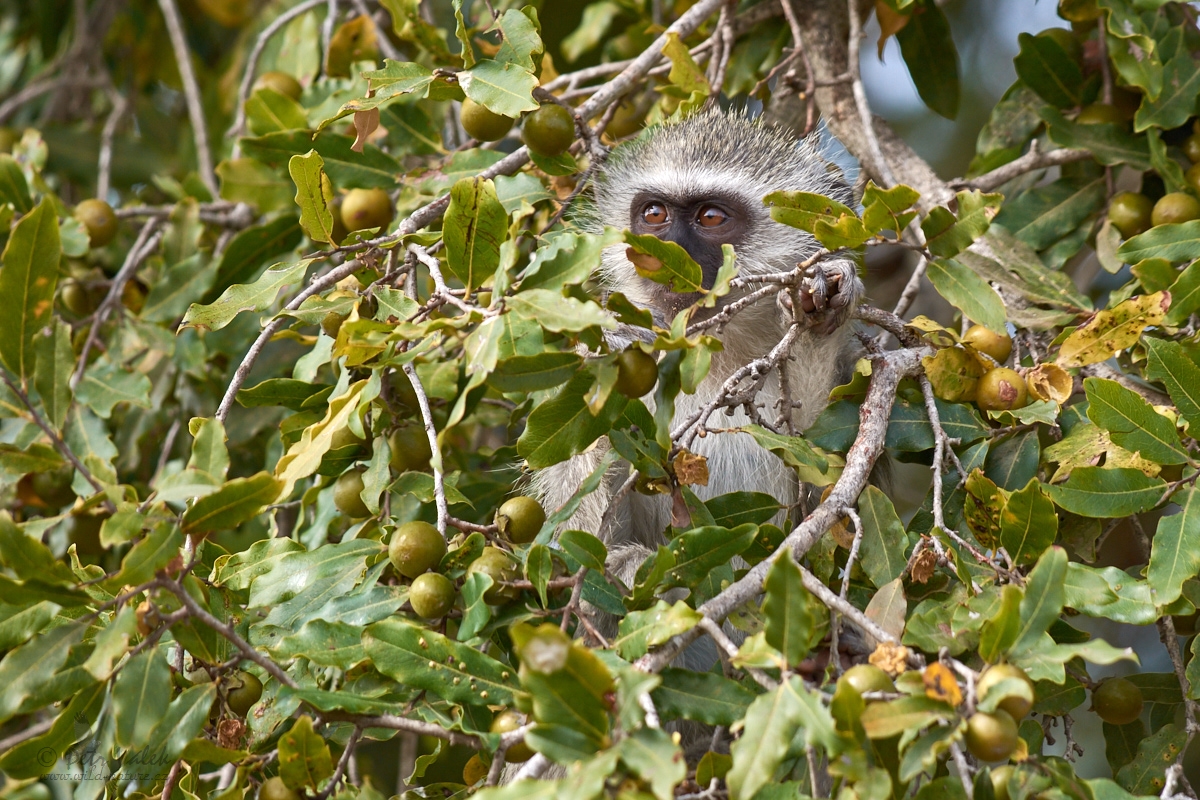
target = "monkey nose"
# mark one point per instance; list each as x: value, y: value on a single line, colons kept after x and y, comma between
x: 642, y: 262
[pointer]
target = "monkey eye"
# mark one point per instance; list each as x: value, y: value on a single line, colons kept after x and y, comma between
x: 711, y: 217
x: 655, y: 214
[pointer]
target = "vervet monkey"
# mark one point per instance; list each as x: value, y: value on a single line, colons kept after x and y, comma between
x: 700, y: 183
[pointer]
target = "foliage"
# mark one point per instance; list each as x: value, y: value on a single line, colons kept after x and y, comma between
x: 179, y: 404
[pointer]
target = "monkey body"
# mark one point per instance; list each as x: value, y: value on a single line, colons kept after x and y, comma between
x: 700, y: 183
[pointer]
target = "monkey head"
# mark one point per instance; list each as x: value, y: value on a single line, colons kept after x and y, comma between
x: 700, y: 183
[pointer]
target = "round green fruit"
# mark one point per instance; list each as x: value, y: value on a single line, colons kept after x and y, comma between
x: 410, y: 448
x: 1117, y: 701
x: 1000, y: 776
x: 416, y: 547
x: 366, y: 208
x: 76, y: 298
x: 1192, y: 176
x: 1017, y: 707
x: 275, y: 789
x: 483, y: 124
x: 280, y: 82
x: 549, y: 130
x: 519, y: 519
x: 1175, y: 207
x: 347, y: 495
x: 637, y: 372
x: 991, y: 737
x: 99, y: 219
x: 1130, y: 213
x: 1191, y: 148
x: 431, y: 595
x: 1001, y: 389
x: 496, y: 564
x: 868, y: 678
x: 506, y: 722
x: 987, y: 341
x: 244, y: 691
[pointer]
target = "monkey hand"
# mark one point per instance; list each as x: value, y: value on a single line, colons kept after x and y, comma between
x: 828, y: 295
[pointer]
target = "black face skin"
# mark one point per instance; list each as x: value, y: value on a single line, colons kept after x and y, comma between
x: 699, y: 225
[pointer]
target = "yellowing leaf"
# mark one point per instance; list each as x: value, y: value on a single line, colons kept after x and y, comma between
x: 1112, y: 330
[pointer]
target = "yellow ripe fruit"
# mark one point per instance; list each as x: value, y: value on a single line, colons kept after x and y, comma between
x: 1175, y: 207
x: 985, y: 340
x: 1001, y: 389
x: 366, y: 208
x: 991, y: 737
x: 1017, y: 707
x: 415, y: 548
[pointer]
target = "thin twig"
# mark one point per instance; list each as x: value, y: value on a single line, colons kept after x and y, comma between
x: 1033, y: 160
x: 55, y: 439
x: 104, y: 163
x: 191, y: 93
x: 860, y: 98
x: 145, y: 244
x: 439, y: 477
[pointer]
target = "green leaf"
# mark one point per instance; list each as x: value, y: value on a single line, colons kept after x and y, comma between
x: 1176, y: 242
x: 1000, y: 631
x: 268, y: 111
x: 105, y: 385
x: 887, y: 719
x: 563, y: 426
x: 1175, y: 549
x: 1133, y: 423
x: 140, y: 697
x: 701, y: 696
x: 55, y: 363
x: 652, y: 754
x: 700, y: 550
x: 1181, y: 87
x: 675, y: 267
x: 474, y: 227
x: 771, y: 723
x: 947, y: 235
x: 27, y: 280
x: 13, y: 186
x: 304, y: 759
x: 424, y: 659
x: 585, y: 548
x: 1109, y: 143
x: 1185, y: 296
x: 314, y: 193
x: 504, y: 88
x: 26, y: 670
x: 787, y: 611
x: 1045, y: 66
x: 928, y: 50
x: 185, y: 719
x: 1105, y: 493
x: 370, y: 169
x: 1028, y: 523
x: 557, y: 313
x: 237, y: 501
x: 1167, y: 362
x: 884, y: 540
x: 968, y: 292
x: 256, y: 296
x: 797, y: 453
x: 641, y: 630
x: 1043, y: 600
x: 1045, y: 214
x: 247, y: 180
x: 534, y: 373
x: 1144, y: 775
x: 147, y: 557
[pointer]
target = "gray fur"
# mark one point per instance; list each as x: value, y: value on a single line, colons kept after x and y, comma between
x: 722, y: 154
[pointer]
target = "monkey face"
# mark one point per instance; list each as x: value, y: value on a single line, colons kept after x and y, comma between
x: 699, y: 225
